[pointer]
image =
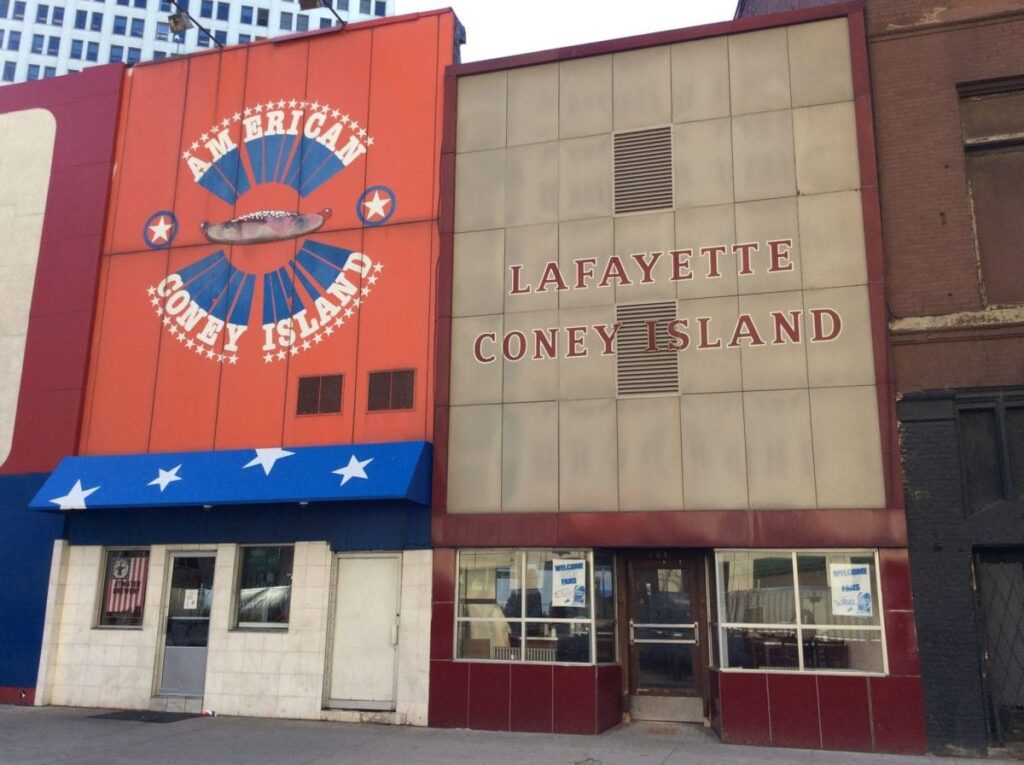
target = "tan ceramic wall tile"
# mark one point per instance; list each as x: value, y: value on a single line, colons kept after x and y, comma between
x: 780, y: 463
x: 529, y: 458
x: 819, y: 62
x: 480, y: 190
x: 714, y: 452
x: 770, y: 366
x: 587, y: 461
x: 759, y: 71
x: 643, y: 234
x: 763, y: 164
x: 581, y: 239
x: 847, y: 447
x: 826, y: 148
x: 531, y: 379
x: 700, y: 80
x: 710, y: 369
x: 762, y: 222
x: 471, y: 381
x: 849, y: 359
x: 585, y: 96
x: 532, y: 193
x: 702, y: 153
x: 533, y: 104
x: 477, y: 276
x: 707, y: 227
x: 593, y: 375
x: 531, y: 247
x: 585, y: 177
x: 642, y: 93
x: 481, y: 112
x: 474, y: 459
x: 650, y: 454
x: 832, y: 240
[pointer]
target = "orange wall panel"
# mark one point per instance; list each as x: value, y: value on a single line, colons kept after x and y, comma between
x: 274, y: 217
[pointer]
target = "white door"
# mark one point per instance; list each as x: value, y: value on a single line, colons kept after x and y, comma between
x: 365, y: 645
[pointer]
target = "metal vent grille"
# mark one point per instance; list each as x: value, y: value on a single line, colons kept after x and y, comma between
x: 319, y: 395
x: 639, y: 370
x: 643, y: 170
x: 391, y: 390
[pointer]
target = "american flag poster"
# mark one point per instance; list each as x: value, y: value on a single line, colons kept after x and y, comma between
x: 126, y: 581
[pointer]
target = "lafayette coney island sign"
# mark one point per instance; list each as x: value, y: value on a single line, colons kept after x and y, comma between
x: 819, y: 324
x: 221, y: 311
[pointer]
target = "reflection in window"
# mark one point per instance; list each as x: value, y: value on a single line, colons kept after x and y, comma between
x: 836, y: 627
x: 265, y: 586
x: 535, y: 606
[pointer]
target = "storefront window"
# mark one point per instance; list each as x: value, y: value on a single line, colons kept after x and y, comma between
x: 837, y: 626
x: 535, y: 606
x: 265, y: 586
x: 124, y: 588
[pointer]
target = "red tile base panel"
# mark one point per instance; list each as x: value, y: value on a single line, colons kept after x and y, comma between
x: 21, y: 696
x: 845, y: 712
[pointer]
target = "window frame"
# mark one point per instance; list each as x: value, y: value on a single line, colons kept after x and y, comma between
x: 236, y: 601
x: 522, y: 554
x: 720, y: 626
x: 100, y: 610
x: 999, y: 404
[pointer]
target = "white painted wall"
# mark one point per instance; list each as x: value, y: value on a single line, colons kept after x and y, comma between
x: 26, y: 152
x: 256, y: 673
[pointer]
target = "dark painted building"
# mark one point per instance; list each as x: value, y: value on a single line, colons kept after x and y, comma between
x: 948, y: 94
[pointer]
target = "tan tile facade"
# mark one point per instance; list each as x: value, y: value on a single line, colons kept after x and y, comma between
x: 776, y: 405
x: 261, y: 673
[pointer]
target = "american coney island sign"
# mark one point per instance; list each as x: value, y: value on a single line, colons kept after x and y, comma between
x: 812, y: 323
x: 222, y: 305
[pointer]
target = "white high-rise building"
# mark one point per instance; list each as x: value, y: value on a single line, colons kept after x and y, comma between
x: 44, y: 38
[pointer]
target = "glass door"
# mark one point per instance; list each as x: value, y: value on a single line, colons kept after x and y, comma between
x: 188, y: 625
x: 667, y: 668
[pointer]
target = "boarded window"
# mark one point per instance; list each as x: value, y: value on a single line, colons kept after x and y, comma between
x: 391, y: 390
x: 992, y: 450
x: 319, y: 395
x: 993, y: 125
x: 645, y: 361
x: 643, y: 170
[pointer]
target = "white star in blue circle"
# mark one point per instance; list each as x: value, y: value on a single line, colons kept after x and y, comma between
x: 160, y: 229
x: 376, y: 205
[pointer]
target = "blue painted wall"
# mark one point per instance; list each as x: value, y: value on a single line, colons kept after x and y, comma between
x: 346, y: 525
x: 26, y: 546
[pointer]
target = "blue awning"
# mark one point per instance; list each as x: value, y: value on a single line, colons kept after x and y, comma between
x: 392, y: 471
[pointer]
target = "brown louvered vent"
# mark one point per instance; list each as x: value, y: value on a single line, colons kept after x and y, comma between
x: 319, y: 395
x: 643, y: 170
x: 641, y: 371
x: 391, y: 390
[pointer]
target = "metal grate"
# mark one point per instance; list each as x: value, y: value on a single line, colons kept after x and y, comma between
x: 319, y: 395
x: 643, y: 170
x: 391, y: 390
x: 1000, y: 581
x: 639, y: 370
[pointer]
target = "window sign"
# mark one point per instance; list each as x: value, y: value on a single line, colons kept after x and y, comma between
x: 124, y: 588
x: 851, y: 590
x: 570, y: 585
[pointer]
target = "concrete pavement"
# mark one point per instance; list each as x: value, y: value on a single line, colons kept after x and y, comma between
x: 38, y: 736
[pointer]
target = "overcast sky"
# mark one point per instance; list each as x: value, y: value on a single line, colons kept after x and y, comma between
x: 506, y: 27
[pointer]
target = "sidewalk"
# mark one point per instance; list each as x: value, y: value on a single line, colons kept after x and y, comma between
x: 34, y: 736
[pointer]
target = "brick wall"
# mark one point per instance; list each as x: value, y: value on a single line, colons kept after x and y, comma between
x: 927, y: 224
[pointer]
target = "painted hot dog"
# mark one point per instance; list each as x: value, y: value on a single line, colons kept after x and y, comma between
x: 264, y: 226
